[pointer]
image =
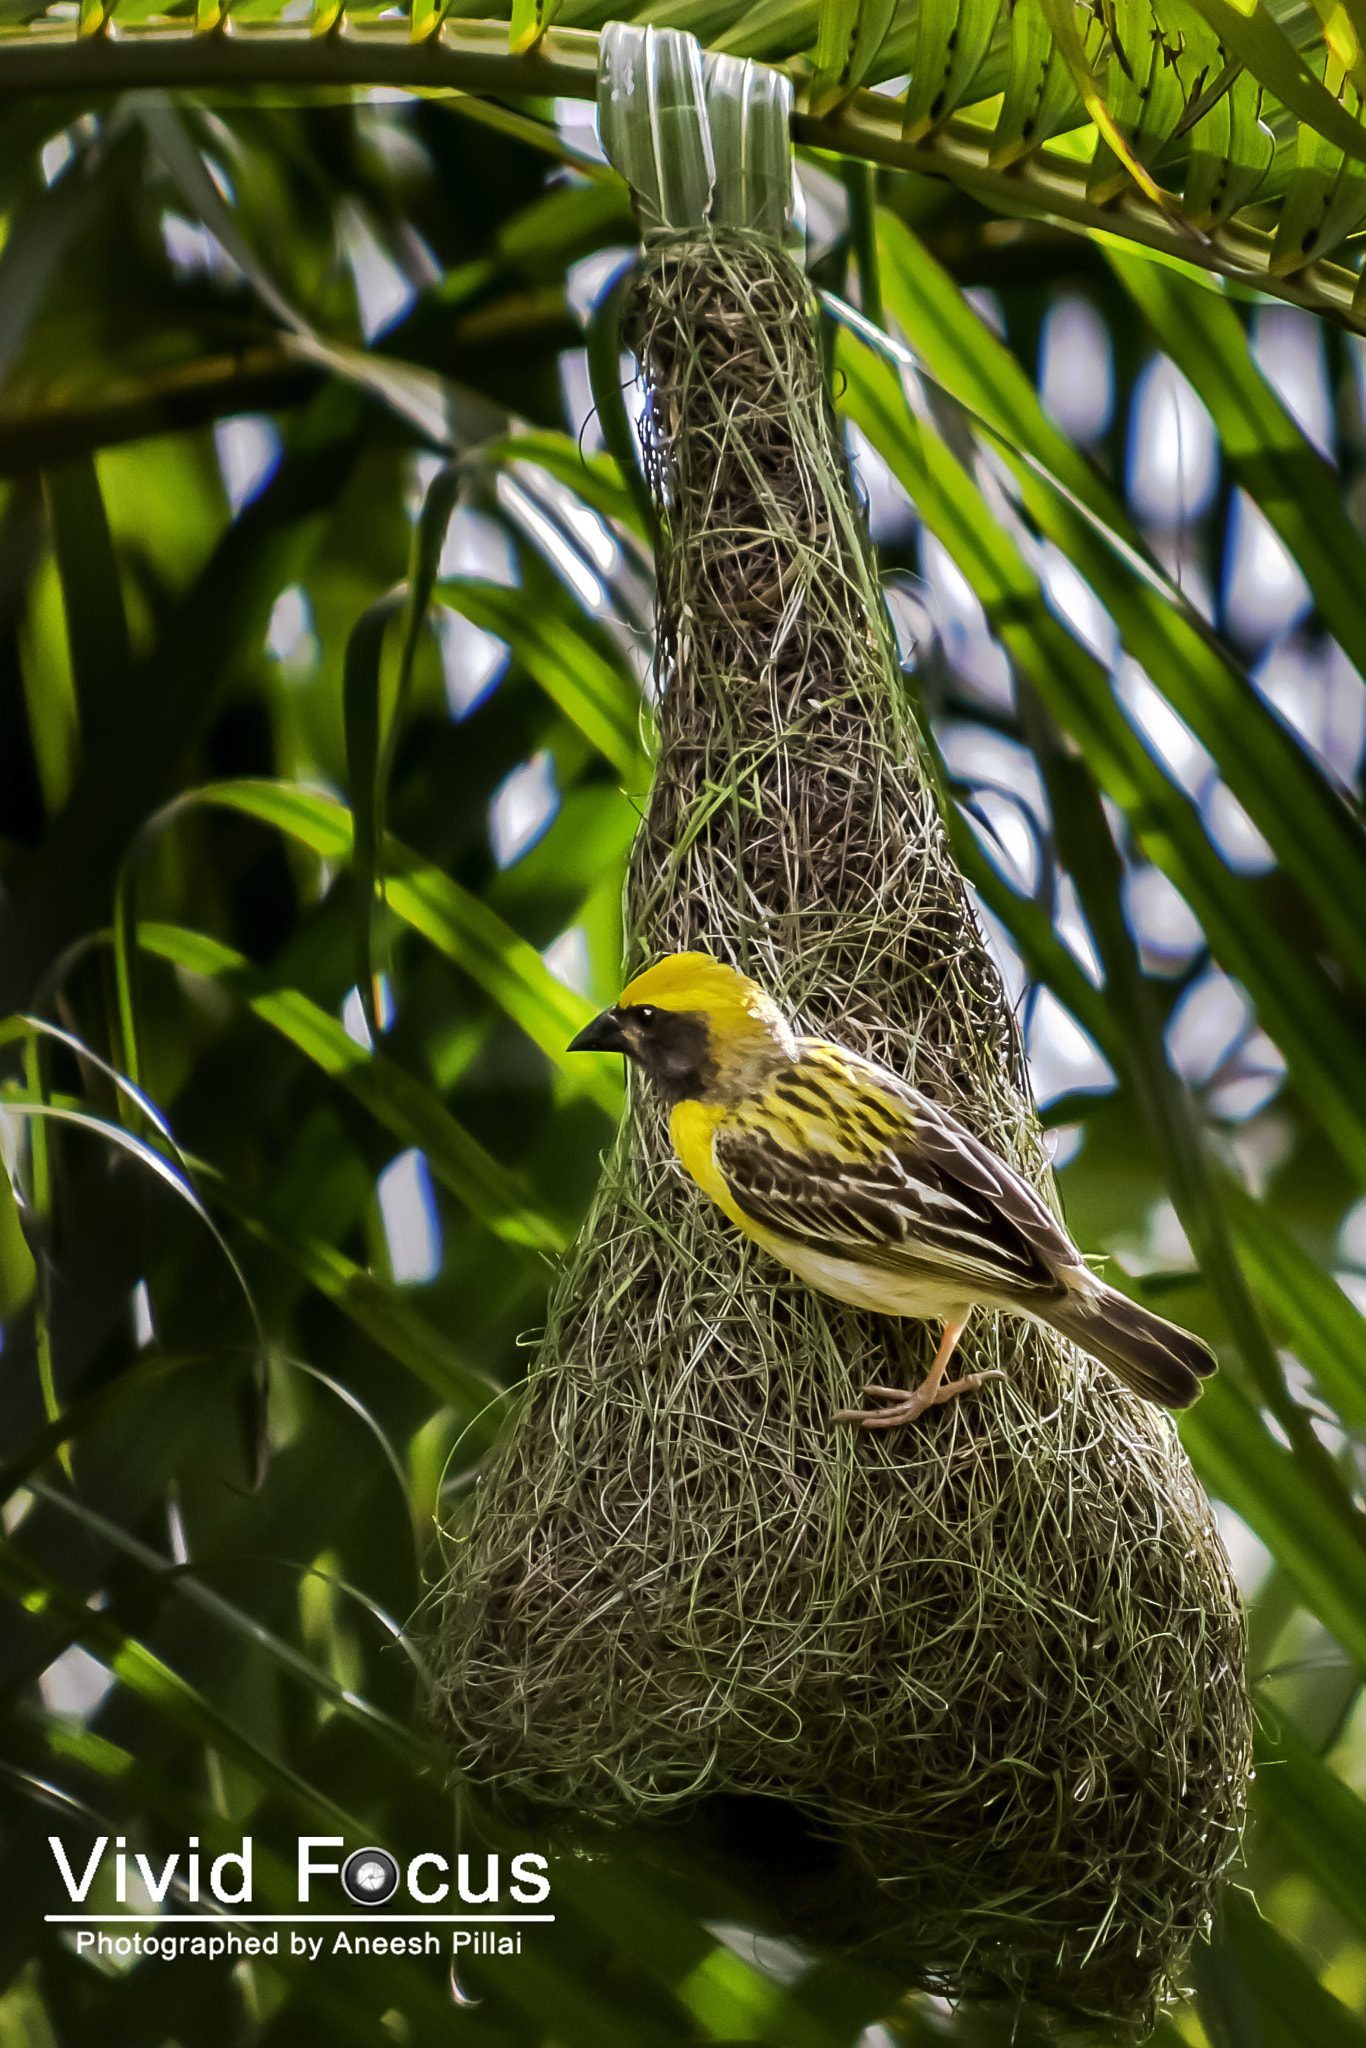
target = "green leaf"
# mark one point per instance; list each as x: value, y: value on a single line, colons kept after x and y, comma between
x: 1039, y: 93
x: 171, y: 138
x: 1231, y: 151
x: 361, y: 685
x: 1087, y: 851
x: 351, y: 2010
x: 429, y: 538
x: 1319, y: 1817
x: 414, y: 394
x: 1295, y: 998
x: 165, y: 1691
x: 96, y: 629
x: 391, y: 1095
x: 848, y: 40
x: 1255, y: 37
x: 40, y: 1220
x: 1324, y: 202
x: 1263, y: 445
x: 529, y: 22
x: 156, y: 1791
x: 860, y: 183
x: 17, y: 1268
x: 1154, y: 51
x: 38, y: 241
x: 399, y: 1740
x: 24, y: 1030
x: 1238, y: 1460
x: 1305, y: 821
x: 959, y: 350
x: 950, y: 43
x: 597, y: 479
x: 173, y: 1176
x: 510, y: 971
x: 731, y: 1997
x: 47, y: 432
x: 1062, y: 20
x: 605, y: 379
x: 504, y: 965
x: 1030, y: 925
x: 1324, y: 1327
x: 601, y: 697
x: 440, y: 413
x: 1287, y: 1992
x: 374, y: 1306
x: 224, y: 611
x: 84, y: 1414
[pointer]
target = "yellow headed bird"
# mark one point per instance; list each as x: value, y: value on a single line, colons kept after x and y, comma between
x: 866, y: 1188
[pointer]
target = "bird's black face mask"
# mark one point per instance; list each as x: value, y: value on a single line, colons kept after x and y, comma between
x: 672, y: 1047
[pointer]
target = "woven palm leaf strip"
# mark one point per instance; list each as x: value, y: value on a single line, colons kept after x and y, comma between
x: 992, y: 1666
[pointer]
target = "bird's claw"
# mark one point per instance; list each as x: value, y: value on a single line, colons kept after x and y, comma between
x: 908, y: 1407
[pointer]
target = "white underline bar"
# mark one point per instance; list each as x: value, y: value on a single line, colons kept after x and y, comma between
x: 377, y: 1919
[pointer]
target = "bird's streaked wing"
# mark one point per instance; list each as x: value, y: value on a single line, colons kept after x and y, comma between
x: 836, y: 1160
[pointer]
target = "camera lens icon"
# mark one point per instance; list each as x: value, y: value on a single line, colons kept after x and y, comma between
x: 370, y: 1877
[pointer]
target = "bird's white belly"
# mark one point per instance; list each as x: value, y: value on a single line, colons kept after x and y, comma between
x: 890, y: 1294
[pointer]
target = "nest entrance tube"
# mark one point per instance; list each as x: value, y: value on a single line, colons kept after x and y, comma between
x: 992, y: 1665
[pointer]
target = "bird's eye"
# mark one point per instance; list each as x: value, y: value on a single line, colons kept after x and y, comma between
x: 647, y: 1013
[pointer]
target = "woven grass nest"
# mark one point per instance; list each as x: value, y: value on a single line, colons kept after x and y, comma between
x: 992, y: 1664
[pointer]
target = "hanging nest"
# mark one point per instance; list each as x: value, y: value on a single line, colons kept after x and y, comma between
x: 992, y: 1663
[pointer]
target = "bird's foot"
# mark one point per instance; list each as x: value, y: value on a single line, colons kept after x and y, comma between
x: 907, y: 1407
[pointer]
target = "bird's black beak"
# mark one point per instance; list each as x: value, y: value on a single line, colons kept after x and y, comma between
x: 604, y: 1034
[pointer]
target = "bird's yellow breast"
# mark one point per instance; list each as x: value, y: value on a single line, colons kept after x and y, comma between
x: 693, y: 1127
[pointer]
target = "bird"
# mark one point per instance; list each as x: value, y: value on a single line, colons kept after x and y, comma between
x: 867, y: 1188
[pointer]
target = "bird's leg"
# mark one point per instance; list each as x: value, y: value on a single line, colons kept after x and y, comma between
x: 932, y: 1390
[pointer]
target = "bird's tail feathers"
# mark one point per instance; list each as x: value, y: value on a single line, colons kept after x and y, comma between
x: 1152, y: 1356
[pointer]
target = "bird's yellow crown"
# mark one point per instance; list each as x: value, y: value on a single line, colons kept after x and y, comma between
x: 732, y: 1004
